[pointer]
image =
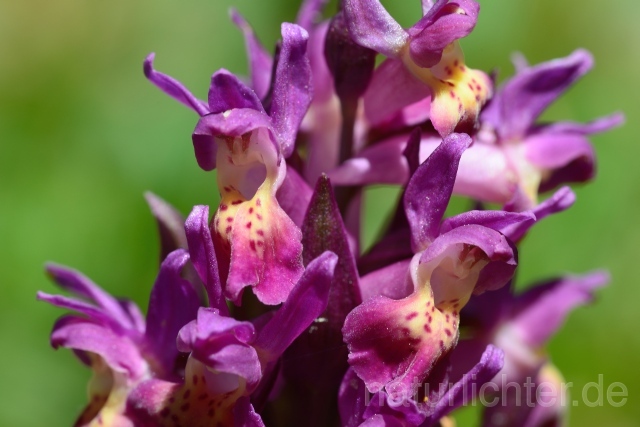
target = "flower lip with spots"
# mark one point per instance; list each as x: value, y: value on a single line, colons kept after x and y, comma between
x: 424, y: 61
x: 257, y: 244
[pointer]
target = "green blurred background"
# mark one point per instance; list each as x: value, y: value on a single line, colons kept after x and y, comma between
x: 83, y: 135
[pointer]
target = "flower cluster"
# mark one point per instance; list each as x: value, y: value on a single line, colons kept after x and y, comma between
x: 267, y: 312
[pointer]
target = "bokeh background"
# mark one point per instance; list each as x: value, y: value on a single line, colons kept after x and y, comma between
x: 83, y: 135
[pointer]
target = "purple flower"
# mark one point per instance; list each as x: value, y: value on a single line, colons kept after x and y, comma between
x: 228, y: 358
x: 538, y: 157
x: 425, y: 60
x: 113, y: 338
x: 257, y: 244
x: 411, y: 317
x: 521, y: 325
x: 513, y: 158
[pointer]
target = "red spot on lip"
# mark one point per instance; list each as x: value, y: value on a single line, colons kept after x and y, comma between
x: 165, y: 412
x: 455, y: 63
x: 228, y: 229
x: 448, y: 332
x: 186, y: 394
x: 252, y: 244
x: 427, y: 329
x: 185, y: 407
x: 260, y: 233
x: 251, y: 210
x: 259, y: 217
x: 412, y: 315
x: 223, y: 207
x: 260, y: 243
x: 258, y: 202
x: 227, y: 189
x: 452, y: 93
x: 236, y: 202
x: 249, y: 224
x: 229, y: 219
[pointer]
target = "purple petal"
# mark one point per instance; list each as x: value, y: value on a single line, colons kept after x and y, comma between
x: 560, y: 201
x: 170, y: 224
x: 309, y: 13
x: 539, y: 312
x: 92, y: 312
x: 75, y: 282
x: 496, y: 220
x: 392, y: 282
x: 119, y: 352
x: 227, y: 92
x: 307, y: 300
x: 371, y: 26
x: 392, y: 87
x: 292, y: 87
x: 429, y: 190
x: 426, y: 6
x: 352, y: 399
x: 294, y: 195
x: 382, y: 163
x: 523, y: 98
x: 244, y: 415
x: 173, y: 88
x: 581, y: 169
x: 442, y: 25
x: 260, y: 61
x: 466, y: 389
x: 173, y: 303
x: 233, y: 123
x: 553, y: 151
x: 222, y: 344
x: 602, y: 124
x: 203, y: 256
x: 486, y: 174
x: 323, y: 90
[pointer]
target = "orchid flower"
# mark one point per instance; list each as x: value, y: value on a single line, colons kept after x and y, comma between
x: 423, y: 61
x: 257, y: 243
x: 513, y: 158
x: 399, y: 338
x: 113, y: 338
